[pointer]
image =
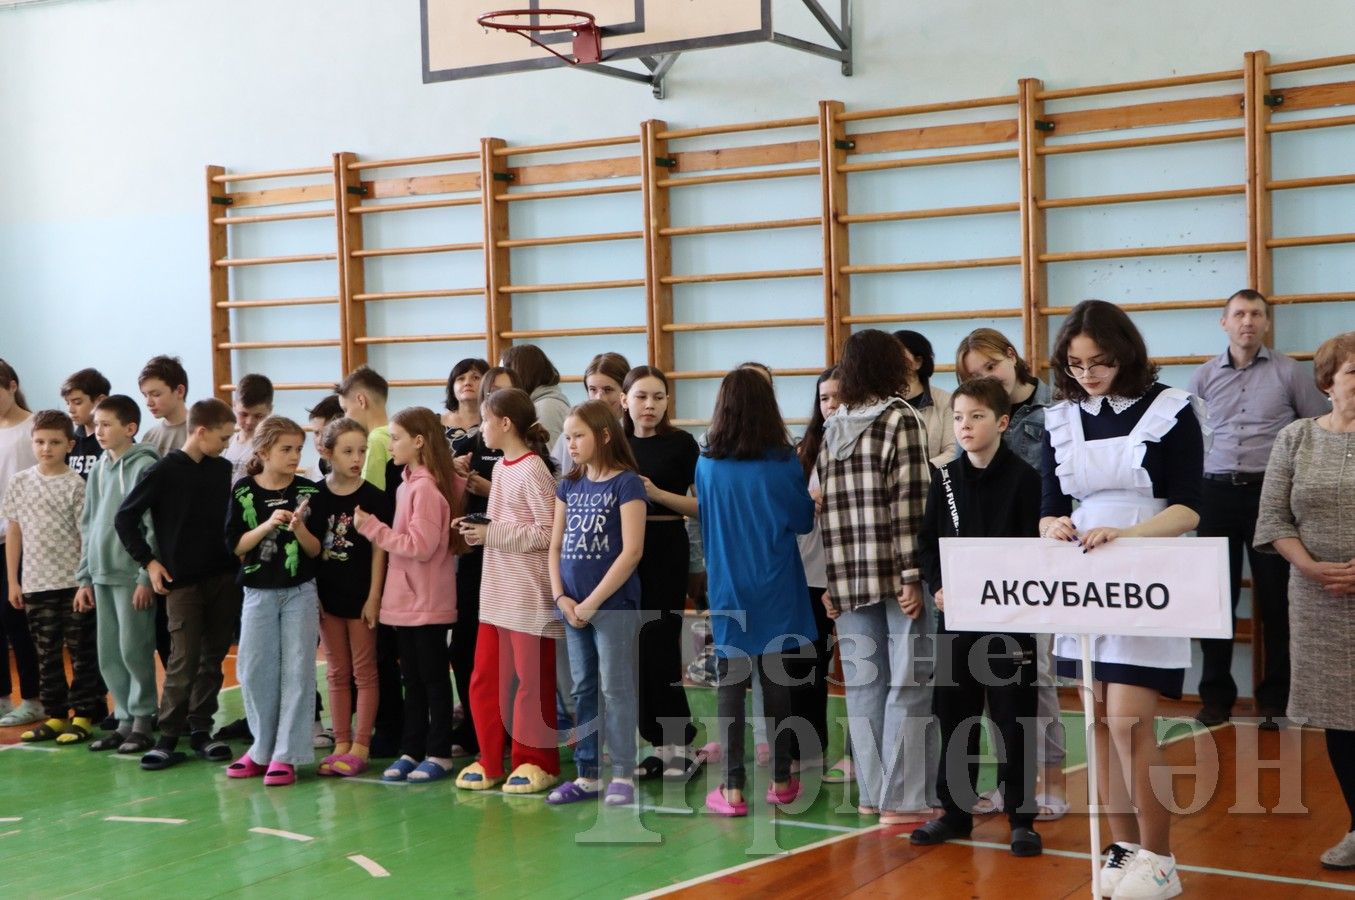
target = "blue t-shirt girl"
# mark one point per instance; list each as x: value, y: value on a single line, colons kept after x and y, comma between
x: 592, y: 537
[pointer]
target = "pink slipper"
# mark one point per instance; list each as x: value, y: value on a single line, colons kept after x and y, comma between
x: 783, y: 797
x: 717, y: 803
x: 279, y: 774
x: 346, y: 764
x: 244, y: 767
x: 326, y: 766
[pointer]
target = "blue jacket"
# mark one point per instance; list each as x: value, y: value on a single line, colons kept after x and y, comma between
x: 751, y: 512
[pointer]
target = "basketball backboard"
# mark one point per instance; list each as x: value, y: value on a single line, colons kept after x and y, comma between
x: 455, y: 46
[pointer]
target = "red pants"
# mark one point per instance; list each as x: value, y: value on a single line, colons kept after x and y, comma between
x: 350, y: 647
x: 499, y: 655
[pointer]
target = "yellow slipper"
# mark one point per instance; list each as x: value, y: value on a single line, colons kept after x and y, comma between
x: 47, y: 731
x: 529, y: 779
x: 473, y: 778
x: 77, y: 732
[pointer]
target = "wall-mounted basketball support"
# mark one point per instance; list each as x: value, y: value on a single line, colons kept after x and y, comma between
x: 658, y: 67
x: 840, y: 32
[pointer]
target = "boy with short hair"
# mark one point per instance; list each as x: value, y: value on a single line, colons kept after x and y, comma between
x: 82, y: 392
x: 253, y: 402
x: 320, y: 415
x: 43, y: 505
x: 164, y: 384
x: 187, y: 494
x: 363, y: 397
x: 989, y: 491
x: 113, y: 585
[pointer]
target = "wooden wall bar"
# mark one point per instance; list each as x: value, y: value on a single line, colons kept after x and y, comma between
x: 1033, y: 126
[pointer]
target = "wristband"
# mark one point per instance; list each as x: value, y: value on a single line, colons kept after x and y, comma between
x: 557, y: 598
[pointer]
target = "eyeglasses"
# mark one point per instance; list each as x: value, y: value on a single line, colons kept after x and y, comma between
x: 1100, y: 370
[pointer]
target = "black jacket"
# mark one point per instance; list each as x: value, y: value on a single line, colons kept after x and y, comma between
x: 1002, y: 500
x: 188, y: 502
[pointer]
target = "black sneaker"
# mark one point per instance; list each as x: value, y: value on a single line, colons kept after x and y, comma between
x: 1026, y: 842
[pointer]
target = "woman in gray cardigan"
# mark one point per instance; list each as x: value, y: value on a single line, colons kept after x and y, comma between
x: 1305, y: 516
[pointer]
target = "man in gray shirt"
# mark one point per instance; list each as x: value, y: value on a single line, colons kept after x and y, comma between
x: 1251, y: 393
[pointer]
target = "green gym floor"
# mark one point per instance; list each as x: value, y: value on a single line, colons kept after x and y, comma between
x: 80, y: 824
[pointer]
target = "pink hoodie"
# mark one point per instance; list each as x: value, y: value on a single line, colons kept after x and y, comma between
x: 421, y: 574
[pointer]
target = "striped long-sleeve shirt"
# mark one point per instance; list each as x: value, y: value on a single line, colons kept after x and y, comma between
x: 875, y: 478
x: 515, y: 586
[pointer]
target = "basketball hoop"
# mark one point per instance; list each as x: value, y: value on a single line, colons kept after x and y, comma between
x: 530, y: 22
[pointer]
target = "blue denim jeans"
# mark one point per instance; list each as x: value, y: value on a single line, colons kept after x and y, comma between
x: 279, y: 628
x: 887, y: 663
x: 602, y: 661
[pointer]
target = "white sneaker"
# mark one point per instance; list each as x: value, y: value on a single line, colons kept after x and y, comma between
x: 1118, y: 857
x: 1342, y: 856
x: 1149, y: 877
x: 26, y: 713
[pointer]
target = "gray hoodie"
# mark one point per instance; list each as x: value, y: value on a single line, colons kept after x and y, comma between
x: 103, y: 559
x: 844, y: 428
x: 552, y: 407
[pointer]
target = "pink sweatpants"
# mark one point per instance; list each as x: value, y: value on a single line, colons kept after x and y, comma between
x: 350, y: 647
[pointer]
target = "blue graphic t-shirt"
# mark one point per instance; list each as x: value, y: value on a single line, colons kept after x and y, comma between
x: 593, y: 535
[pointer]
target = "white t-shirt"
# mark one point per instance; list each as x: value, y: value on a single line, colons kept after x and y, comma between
x: 16, y: 453
x: 47, y: 508
x: 238, y: 452
x: 165, y: 438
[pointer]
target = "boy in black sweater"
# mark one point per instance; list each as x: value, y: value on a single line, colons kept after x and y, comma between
x: 188, y: 494
x: 987, y: 492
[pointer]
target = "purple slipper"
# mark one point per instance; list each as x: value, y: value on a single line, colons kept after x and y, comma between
x: 619, y: 793
x: 569, y: 792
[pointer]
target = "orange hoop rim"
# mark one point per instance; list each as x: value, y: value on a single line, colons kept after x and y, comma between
x: 585, y: 20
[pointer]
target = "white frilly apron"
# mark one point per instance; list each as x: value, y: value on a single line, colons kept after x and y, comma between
x: 1113, y: 489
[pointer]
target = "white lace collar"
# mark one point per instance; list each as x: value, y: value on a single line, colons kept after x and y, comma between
x: 1092, y: 405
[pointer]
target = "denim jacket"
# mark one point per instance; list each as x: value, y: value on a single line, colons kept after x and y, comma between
x: 1025, y: 434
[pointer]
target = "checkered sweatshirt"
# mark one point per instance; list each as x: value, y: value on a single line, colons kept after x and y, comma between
x: 873, y: 505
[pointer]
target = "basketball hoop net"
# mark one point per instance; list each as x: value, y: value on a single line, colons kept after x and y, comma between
x: 528, y: 23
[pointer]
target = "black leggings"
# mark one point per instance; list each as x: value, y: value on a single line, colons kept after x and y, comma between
x: 14, y: 634
x: 1341, y: 751
x: 461, y: 652
x: 736, y: 679
x: 809, y: 682
x: 665, y: 716
x: 428, y: 691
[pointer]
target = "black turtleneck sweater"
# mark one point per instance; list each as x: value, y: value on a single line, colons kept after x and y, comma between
x: 1002, y: 500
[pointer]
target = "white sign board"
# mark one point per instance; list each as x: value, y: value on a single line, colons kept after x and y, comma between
x: 1148, y: 587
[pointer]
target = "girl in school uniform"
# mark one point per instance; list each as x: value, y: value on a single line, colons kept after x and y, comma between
x: 987, y: 353
x: 419, y: 598
x: 596, y: 544
x: 267, y: 527
x: 518, y: 628
x: 666, y: 456
x: 753, y: 501
x: 1131, y: 451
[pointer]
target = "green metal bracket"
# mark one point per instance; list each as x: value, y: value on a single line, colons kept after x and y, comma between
x: 844, y: 145
x: 505, y: 176
x: 1044, y: 125
x: 666, y: 162
x: 222, y: 201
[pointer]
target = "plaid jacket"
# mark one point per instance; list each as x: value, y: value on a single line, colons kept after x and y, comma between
x: 873, y: 506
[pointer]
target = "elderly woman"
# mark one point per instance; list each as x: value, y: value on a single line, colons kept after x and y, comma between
x: 1305, y: 516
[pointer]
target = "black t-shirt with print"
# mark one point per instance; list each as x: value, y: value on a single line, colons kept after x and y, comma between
x: 85, y: 454
x: 482, y: 460
x: 344, y: 574
x: 278, y: 560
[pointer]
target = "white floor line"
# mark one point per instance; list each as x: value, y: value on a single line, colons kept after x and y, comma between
x: 372, y: 868
x: 818, y: 826
x: 8, y: 819
x: 6, y: 834
x: 1203, y: 870
x: 30, y: 747
x: 743, y: 867
x: 145, y: 820
x: 287, y: 835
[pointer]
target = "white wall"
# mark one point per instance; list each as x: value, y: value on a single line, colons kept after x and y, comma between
x: 112, y: 107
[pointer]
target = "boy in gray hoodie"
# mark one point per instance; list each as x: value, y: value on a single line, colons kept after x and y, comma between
x: 113, y: 583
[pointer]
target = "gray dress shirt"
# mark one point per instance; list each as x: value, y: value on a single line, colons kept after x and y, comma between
x: 1248, y: 407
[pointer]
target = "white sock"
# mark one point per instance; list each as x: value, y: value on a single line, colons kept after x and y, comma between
x: 589, y: 784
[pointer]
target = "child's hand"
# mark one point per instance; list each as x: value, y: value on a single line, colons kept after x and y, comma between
x: 371, y: 611
x: 461, y: 465
x: 16, y: 595
x: 280, y: 518
x: 651, y: 490
x: 360, y: 517
x: 910, y: 600
x: 473, y: 532
x: 828, y: 607
x: 941, y: 599
x: 817, y: 496
x: 583, y: 614
x: 160, y: 579
x: 567, y: 606
x: 299, y: 518
x: 84, y: 599
x: 142, y: 597
x: 477, y: 484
